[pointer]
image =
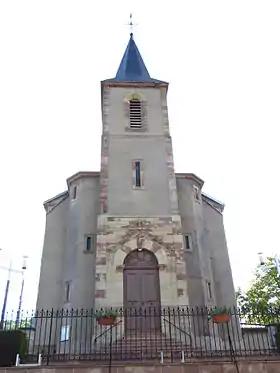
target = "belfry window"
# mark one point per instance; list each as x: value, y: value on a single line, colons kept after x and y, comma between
x: 135, y: 113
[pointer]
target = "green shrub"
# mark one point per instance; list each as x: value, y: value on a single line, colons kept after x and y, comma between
x: 12, y: 342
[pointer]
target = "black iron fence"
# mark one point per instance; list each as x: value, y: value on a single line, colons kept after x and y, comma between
x: 166, y: 335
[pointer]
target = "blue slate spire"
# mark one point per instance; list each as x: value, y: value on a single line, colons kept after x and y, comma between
x: 132, y: 67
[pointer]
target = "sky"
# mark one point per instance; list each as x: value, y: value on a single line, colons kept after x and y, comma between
x: 222, y: 61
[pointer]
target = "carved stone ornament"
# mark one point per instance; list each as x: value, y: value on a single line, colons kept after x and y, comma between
x: 143, y: 258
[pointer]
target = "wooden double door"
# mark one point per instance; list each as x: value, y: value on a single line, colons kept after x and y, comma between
x: 141, y: 292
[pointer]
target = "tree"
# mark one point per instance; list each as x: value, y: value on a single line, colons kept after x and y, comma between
x: 260, y: 304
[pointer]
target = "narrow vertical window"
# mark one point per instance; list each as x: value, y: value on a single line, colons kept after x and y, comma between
x: 209, y: 290
x: 67, y: 291
x: 74, y: 193
x: 88, y: 243
x: 138, y: 174
x: 196, y: 192
x: 135, y: 113
x: 187, y: 242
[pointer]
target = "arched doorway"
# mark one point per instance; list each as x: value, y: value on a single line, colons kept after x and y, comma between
x: 141, y: 289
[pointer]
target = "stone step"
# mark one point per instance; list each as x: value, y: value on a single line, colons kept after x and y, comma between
x: 144, y: 347
x: 131, y: 346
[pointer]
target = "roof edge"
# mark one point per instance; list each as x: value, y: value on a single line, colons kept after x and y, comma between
x: 55, y: 197
x: 190, y: 176
x: 210, y: 200
x: 81, y: 174
x: 213, y: 199
x: 154, y: 83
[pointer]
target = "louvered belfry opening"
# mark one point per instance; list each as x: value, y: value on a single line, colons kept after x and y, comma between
x: 135, y: 113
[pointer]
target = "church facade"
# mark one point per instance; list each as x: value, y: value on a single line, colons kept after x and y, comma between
x: 136, y: 233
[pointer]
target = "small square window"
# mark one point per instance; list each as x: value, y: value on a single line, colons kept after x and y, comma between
x: 188, y: 245
x: 64, y: 333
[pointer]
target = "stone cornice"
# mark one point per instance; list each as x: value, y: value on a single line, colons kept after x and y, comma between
x: 82, y: 174
x: 190, y: 176
x: 134, y: 84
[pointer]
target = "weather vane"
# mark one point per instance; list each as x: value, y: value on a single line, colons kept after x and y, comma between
x: 131, y: 24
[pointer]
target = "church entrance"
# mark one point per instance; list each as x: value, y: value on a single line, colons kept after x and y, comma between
x: 141, y: 292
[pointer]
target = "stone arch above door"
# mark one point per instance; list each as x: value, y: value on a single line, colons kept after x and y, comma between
x: 158, y: 250
x: 141, y: 258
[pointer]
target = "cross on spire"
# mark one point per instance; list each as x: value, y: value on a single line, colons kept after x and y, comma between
x: 131, y: 24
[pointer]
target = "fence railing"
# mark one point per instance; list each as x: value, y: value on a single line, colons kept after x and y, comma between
x: 166, y: 334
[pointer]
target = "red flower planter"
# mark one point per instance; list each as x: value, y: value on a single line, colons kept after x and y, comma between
x: 107, y: 320
x: 223, y: 317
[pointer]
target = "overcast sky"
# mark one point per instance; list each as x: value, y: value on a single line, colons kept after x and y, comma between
x: 222, y: 60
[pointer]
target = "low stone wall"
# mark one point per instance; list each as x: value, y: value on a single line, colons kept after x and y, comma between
x: 245, y: 366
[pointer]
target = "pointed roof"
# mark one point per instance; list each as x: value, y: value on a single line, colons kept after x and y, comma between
x: 132, y: 67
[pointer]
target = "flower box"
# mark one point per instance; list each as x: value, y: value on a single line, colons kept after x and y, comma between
x: 107, y: 320
x: 221, y: 318
x: 219, y: 315
x: 106, y: 317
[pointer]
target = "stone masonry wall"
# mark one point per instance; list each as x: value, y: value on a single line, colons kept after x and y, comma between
x: 117, y: 236
x: 104, y: 153
x: 169, y: 155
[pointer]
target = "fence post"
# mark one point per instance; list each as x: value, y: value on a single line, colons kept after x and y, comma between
x: 110, y: 351
x: 50, y: 336
x: 170, y: 334
x: 232, y: 352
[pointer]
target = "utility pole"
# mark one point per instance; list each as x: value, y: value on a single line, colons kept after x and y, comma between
x: 5, y: 301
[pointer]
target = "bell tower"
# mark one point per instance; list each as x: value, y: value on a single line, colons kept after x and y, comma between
x: 137, y: 174
x: 137, y: 188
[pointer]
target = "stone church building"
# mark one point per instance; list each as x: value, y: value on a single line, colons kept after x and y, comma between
x: 135, y: 233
